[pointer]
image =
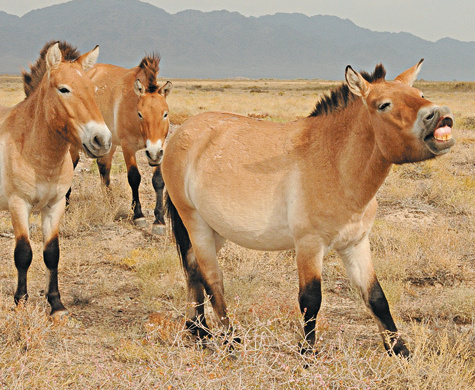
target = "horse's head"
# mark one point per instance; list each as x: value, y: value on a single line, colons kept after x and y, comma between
x: 152, y: 110
x: 407, y: 126
x: 69, y: 102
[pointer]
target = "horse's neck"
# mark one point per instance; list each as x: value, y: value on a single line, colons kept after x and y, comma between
x: 43, y: 145
x: 346, y: 142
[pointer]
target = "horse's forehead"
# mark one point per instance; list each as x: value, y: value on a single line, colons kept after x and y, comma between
x: 153, y: 101
x: 70, y: 73
x: 396, y: 91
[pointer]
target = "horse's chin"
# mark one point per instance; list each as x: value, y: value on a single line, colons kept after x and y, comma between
x: 88, y: 152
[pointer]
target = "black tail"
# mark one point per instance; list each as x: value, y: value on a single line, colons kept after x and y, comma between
x: 182, y: 239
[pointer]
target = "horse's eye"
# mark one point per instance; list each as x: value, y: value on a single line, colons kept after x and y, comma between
x: 165, y: 115
x: 384, y: 106
x: 140, y: 115
x: 63, y: 90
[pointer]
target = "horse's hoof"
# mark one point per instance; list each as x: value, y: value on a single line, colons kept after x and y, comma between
x: 159, y: 230
x: 140, y: 222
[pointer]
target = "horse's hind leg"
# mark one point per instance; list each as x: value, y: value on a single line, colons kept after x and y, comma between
x: 158, y: 185
x: 204, y: 265
x: 195, y: 313
x: 23, y: 254
x: 357, y: 259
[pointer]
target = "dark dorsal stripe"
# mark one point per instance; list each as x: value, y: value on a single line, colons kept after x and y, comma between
x: 341, y: 96
x: 32, y: 79
x: 150, y: 66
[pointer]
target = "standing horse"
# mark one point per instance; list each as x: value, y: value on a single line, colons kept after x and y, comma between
x: 308, y: 184
x: 35, y: 167
x: 135, y: 109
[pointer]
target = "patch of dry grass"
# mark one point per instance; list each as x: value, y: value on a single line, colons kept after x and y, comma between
x: 126, y: 291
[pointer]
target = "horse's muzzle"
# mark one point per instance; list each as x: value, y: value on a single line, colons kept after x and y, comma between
x: 437, y: 123
x: 154, y: 153
x: 96, y: 139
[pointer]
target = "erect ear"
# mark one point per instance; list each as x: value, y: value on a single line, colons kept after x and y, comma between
x: 53, y: 56
x: 357, y: 84
x: 139, y: 88
x: 409, y: 76
x: 166, y: 89
x: 87, y: 60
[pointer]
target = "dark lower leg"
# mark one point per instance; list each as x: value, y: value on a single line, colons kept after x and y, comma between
x: 310, y: 299
x: 51, y: 259
x: 379, y: 306
x: 134, y: 178
x: 196, y: 321
x: 75, y: 163
x: 104, y: 171
x: 23, y: 256
x: 158, y: 186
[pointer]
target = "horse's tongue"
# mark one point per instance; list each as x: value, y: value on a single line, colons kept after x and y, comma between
x: 443, y: 133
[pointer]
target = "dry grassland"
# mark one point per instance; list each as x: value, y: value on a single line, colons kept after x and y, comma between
x: 125, y: 289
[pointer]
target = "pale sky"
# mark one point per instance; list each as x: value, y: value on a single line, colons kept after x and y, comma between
x: 427, y: 19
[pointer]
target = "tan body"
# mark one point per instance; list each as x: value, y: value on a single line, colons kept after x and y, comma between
x: 35, y: 167
x: 135, y: 110
x: 308, y: 184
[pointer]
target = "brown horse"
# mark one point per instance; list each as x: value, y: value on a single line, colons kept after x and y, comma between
x: 135, y: 109
x: 308, y: 184
x: 35, y: 167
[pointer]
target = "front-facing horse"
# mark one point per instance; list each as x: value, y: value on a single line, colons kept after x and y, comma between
x: 135, y: 110
x: 35, y: 167
x: 308, y: 184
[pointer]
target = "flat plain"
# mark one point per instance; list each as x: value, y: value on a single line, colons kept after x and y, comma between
x: 124, y: 286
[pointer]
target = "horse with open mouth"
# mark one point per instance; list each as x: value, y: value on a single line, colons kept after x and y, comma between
x: 308, y: 184
x: 135, y: 109
x: 35, y: 167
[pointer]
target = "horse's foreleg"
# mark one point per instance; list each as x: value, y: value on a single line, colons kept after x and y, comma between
x: 357, y: 259
x: 51, y: 217
x: 20, y: 211
x: 104, y: 164
x: 309, y: 256
x: 158, y: 185
x: 134, y: 178
x: 74, y: 153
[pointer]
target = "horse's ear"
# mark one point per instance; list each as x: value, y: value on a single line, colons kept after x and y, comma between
x: 139, y: 88
x: 166, y: 89
x: 357, y: 84
x: 409, y: 76
x: 53, y: 56
x: 87, y: 60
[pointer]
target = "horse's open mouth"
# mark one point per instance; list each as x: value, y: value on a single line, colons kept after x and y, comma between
x: 440, y: 140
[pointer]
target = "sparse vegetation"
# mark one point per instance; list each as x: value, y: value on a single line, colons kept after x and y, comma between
x: 126, y: 293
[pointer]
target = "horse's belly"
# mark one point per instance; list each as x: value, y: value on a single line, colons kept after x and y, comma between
x: 260, y: 228
x: 267, y: 240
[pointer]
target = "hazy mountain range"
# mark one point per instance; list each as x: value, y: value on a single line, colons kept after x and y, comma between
x: 226, y: 44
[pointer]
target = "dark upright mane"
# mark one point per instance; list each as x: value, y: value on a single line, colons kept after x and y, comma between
x: 150, y: 66
x: 341, y: 96
x: 32, y: 79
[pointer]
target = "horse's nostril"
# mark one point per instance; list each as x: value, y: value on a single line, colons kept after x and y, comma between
x: 160, y: 154
x: 148, y: 154
x: 96, y: 141
x: 430, y: 116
